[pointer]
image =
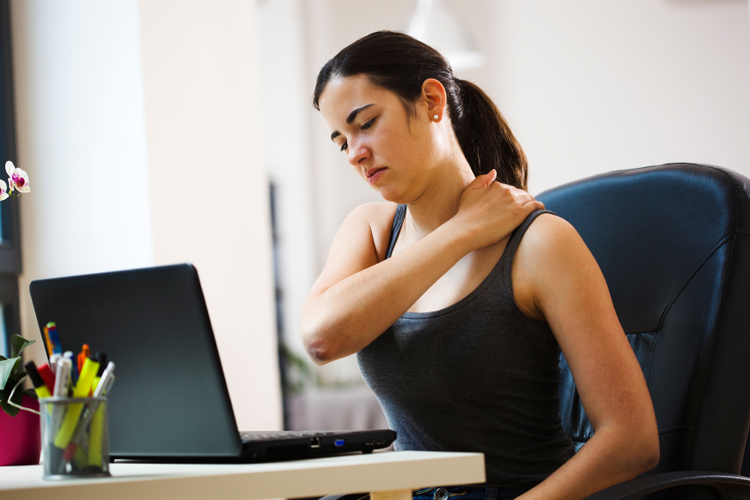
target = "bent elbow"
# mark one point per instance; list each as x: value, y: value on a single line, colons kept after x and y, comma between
x: 320, y: 353
x: 646, y: 455
x: 320, y: 350
x: 633, y: 450
x: 651, y: 454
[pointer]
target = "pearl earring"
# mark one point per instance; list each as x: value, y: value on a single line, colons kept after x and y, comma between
x: 435, y: 117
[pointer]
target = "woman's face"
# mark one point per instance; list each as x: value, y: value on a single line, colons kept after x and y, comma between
x: 388, y: 149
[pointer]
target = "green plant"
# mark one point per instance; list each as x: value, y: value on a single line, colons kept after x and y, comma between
x: 12, y: 376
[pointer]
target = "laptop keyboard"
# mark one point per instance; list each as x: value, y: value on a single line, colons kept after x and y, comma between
x: 260, y: 436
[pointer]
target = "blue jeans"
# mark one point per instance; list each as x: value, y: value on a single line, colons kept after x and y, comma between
x: 469, y: 492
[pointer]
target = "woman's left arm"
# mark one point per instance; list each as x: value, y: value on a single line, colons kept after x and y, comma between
x: 555, y: 278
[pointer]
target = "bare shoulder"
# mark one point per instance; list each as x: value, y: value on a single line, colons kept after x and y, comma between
x: 547, y: 236
x: 360, y: 242
x: 551, y: 251
x: 379, y: 217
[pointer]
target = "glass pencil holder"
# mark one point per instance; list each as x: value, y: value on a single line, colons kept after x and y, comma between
x: 75, y: 442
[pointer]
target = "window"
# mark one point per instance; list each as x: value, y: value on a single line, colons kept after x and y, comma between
x: 10, y: 240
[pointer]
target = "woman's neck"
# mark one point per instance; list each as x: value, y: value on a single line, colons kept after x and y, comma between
x: 439, y: 202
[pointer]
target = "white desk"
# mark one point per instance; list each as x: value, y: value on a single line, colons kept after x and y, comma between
x: 388, y: 475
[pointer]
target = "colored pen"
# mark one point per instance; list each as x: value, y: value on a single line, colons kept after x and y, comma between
x: 53, y: 359
x: 102, y: 358
x: 49, y: 378
x: 41, y: 389
x: 107, y: 374
x: 83, y: 356
x: 62, y: 381
x: 86, y: 377
x: 48, y: 341
x: 73, y: 368
x: 62, y: 377
x: 97, y: 422
x: 54, y: 338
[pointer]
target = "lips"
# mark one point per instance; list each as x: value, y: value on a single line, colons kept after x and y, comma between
x: 374, y: 174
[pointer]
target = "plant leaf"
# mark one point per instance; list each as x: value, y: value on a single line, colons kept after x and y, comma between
x: 17, y: 398
x: 31, y: 393
x: 18, y: 344
x: 11, y: 410
x: 6, y: 370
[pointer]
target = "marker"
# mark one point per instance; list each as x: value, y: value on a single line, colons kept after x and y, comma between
x: 83, y: 356
x: 49, y: 378
x: 97, y: 421
x: 53, y: 359
x: 102, y: 358
x: 62, y: 381
x: 106, y: 380
x: 73, y: 368
x: 62, y: 377
x: 88, y: 372
x: 96, y: 434
x: 41, y: 390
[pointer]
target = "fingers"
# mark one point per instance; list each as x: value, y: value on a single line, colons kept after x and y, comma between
x: 498, y: 191
x: 524, y: 199
x: 490, y: 177
x: 484, y: 180
x: 538, y: 205
x: 530, y: 204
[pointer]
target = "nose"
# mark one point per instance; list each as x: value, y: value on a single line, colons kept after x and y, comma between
x: 358, y: 154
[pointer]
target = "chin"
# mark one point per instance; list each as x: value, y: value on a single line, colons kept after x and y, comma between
x: 391, y: 197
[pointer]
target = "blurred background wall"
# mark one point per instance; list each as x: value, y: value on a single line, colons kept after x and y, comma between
x: 153, y: 131
x: 138, y: 125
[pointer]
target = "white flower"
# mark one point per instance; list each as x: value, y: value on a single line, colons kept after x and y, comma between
x: 3, y: 190
x: 17, y: 178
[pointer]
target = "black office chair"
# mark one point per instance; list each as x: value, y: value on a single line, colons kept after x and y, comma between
x: 673, y: 242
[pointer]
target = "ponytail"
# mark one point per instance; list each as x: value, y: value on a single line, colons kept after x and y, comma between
x: 486, y: 139
x: 400, y: 63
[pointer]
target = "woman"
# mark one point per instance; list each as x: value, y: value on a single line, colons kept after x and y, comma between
x: 458, y: 292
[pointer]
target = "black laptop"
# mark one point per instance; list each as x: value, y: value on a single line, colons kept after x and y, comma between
x: 170, y: 400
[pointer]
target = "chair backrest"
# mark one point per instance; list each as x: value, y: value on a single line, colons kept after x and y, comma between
x: 673, y: 242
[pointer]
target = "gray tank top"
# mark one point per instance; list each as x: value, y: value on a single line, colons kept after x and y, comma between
x: 477, y: 376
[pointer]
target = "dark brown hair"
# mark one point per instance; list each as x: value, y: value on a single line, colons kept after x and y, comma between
x: 400, y: 63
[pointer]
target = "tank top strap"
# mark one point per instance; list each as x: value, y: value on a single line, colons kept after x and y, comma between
x: 508, y: 253
x: 398, y: 220
x: 506, y: 261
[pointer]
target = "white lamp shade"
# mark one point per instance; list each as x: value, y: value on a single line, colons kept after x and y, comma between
x: 436, y: 25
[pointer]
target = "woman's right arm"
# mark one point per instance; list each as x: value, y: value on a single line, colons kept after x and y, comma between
x: 356, y: 298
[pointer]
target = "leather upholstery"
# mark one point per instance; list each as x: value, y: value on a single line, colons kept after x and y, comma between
x: 673, y: 242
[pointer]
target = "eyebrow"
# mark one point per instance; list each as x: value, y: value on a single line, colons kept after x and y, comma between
x: 350, y: 119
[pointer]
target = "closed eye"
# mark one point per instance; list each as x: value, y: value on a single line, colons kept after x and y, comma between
x: 364, y: 126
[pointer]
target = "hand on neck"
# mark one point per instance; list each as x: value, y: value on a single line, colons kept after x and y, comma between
x: 439, y: 202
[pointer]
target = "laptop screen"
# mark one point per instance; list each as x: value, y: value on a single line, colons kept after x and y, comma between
x: 170, y: 398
